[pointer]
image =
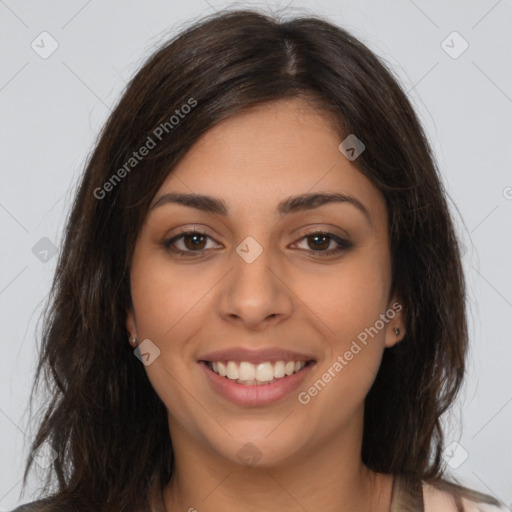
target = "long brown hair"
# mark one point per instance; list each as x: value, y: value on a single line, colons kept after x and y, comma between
x: 103, y: 417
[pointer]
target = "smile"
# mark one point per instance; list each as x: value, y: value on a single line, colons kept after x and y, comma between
x: 249, y: 374
x: 255, y: 385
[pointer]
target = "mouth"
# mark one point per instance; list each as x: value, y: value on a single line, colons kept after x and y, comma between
x: 260, y: 374
x: 256, y: 384
x: 256, y: 378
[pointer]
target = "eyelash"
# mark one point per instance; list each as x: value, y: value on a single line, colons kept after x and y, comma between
x: 343, y: 244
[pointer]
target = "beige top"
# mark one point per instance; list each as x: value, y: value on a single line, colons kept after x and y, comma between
x: 427, y: 498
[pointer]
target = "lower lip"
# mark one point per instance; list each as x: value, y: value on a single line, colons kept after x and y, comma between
x: 255, y: 395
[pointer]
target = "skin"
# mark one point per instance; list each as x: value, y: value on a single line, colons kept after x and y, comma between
x: 289, y: 297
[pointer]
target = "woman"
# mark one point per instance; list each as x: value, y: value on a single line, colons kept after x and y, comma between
x: 259, y: 302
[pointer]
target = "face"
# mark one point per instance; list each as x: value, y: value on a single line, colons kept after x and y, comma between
x: 259, y: 282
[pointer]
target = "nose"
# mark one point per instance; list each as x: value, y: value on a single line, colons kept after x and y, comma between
x: 255, y: 293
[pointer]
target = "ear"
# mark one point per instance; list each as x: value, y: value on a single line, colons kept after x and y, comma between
x: 131, y: 324
x: 396, y: 315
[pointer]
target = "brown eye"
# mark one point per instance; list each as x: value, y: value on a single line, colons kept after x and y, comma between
x: 319, y: 241
x: 196, y: 241
x: 192, y: 243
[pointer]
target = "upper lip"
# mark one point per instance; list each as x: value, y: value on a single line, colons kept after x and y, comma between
x: 270, y: 354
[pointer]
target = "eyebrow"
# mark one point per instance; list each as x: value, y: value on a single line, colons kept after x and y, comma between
x: 292, y: 204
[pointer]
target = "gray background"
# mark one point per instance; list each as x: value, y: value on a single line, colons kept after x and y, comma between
x: 52, y: 109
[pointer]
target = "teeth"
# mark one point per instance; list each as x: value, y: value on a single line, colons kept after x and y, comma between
x: 264, y: 372
x: 256, y: 374
x: 222, y: 369
x: 232, y: 371
x: 246, y: 371
x: 279, y: 371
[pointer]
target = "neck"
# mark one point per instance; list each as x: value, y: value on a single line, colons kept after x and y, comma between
x: 327, y: 477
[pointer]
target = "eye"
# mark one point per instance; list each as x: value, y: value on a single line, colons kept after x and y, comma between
x: 194, y: 243
x: 322, y: 240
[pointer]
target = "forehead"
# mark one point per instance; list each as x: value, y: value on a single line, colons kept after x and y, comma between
x: 270, y: 152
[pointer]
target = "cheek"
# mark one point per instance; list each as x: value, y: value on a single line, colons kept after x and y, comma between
x: 350, y: 310
x: 164, y: 304
x: 349, y: 302
x: 164, y: 297
x: 351, y: 297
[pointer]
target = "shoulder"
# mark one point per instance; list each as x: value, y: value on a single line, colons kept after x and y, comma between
x: 41, y: 505
x: 447, y: 496
x: 35, y: 506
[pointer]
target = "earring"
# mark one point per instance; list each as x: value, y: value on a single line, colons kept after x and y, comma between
x: 134, y: 341
x: 397, y: 331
